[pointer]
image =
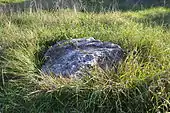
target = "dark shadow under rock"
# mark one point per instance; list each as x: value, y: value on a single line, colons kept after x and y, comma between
x: 72, y: 58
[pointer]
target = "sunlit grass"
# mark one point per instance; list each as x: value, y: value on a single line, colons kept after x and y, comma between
x: 142, y: 84
x: 10, y: 1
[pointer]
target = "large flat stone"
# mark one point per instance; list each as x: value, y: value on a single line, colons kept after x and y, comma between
x: 72, y: 58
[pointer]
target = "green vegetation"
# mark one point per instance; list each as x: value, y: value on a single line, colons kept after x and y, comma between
x: 142, y: 84
x: 10, y: 1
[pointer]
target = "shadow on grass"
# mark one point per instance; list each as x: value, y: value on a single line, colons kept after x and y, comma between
x: 160, y: 19
x: 157, y: 18
x: 82, y: 5
x: 34, y: 5
x: 148, y: 96
x: 44, y: 46
x: 39, y: 55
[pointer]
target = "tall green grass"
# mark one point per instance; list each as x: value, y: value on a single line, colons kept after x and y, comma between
x: 142, y: 84
x: 2, y: 2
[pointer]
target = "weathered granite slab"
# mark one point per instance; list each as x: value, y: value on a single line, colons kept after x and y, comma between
x: 72, y: 58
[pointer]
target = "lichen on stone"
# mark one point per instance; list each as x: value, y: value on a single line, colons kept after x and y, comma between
x: 71, y: 58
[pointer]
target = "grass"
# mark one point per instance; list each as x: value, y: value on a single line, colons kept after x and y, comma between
x: 142, y: 84
x: 10, y: 1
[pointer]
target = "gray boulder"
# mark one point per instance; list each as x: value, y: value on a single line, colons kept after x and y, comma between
x: 72, y: 58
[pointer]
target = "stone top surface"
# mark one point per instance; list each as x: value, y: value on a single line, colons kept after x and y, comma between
x: 71, y: 58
